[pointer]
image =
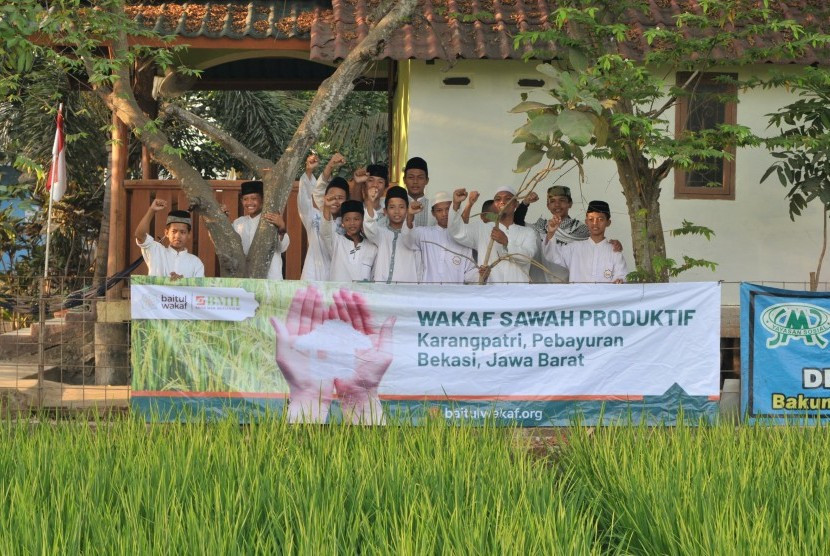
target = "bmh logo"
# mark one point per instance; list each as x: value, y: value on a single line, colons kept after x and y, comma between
x: 800, y: 321
x: 225, y: 302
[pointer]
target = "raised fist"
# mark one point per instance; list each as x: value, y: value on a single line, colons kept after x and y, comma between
x: 360, y: 175
x: 337, y: 160
x: 311, y: 162
x: 459, y: 195
x: 158, y: 204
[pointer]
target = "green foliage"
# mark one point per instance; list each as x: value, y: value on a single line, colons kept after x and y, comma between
x: 802, y: 148
x: 607, y: 105
x: 265, y: 121
x: 670, y: 267
x: 27, y: 131
x: 126, y: 487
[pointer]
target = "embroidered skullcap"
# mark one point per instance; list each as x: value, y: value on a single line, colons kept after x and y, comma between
x: 506, y: 189
x: 441, y: 197
x: 179, y: 217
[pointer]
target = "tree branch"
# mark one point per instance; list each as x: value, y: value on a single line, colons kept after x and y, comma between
x: 257, y: 164
x: 331, y: 93
x: 122, y: 102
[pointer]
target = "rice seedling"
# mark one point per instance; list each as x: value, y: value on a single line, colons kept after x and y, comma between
x: 708, y: 489
x: 126, y: 487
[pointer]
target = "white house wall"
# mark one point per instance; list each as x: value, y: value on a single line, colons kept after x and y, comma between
x: 465, y: 135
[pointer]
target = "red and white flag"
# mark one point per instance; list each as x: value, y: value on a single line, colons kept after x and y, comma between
x: 56, y: 181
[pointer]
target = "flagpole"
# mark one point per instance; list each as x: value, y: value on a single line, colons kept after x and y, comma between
x: 49, y: 214
x: 48, y: 234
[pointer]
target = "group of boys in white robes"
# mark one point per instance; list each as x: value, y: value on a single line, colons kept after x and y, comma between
x: 367, y: 231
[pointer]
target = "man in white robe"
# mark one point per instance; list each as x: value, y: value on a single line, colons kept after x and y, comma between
x: 352, y: 255
x: 513, y: 246
x: 316, y: 264
x: 559, y: 202
x: 592, y: 260
x: 172, y: 261
x: 416, y: 178
x: 443, y: 259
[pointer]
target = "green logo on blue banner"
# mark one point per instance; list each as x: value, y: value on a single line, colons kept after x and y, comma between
x: 800, y: 321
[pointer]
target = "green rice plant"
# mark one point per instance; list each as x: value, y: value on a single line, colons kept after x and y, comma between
x: 708, y: 489
x: 123, y: 487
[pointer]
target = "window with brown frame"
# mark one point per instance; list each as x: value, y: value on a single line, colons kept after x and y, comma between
x: 705, y: 108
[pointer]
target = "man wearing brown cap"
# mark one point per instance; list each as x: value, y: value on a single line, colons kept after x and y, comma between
x: 172, y: 261
x: 592, y: 260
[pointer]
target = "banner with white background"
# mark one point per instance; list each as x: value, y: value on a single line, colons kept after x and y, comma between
x: 532, y: 354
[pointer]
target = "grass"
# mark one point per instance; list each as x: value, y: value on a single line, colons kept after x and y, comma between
x: 122, y: 487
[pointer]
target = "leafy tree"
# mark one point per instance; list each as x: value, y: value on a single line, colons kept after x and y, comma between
x: 609, y: 106
x: 803, y: 148
x: 97, y: 40
x: 27, y: 130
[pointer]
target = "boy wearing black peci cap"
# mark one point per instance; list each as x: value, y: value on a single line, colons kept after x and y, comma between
x: 246, y: 225
x: 416, y: 178
x: 592, y: 260
x: 172, y: 261
x: 395, y: 261
x: 352, y: 257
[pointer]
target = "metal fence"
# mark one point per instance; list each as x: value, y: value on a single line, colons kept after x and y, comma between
x: 65, y: 341
x: 55, y: 349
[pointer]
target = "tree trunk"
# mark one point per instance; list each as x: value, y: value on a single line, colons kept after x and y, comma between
x: 277, y: 184
x: 642, y: 195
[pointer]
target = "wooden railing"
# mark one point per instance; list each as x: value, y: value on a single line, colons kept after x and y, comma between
x: 140, y: 193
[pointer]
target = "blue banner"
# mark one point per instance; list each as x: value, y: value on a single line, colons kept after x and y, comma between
x: 785, y: 358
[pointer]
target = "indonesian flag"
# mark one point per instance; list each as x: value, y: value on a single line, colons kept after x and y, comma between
x: 56, y: 181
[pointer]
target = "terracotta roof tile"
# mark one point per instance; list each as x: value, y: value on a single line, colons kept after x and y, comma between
x: 273, y: 19
x: 440, y: 29
x: 470, y: 29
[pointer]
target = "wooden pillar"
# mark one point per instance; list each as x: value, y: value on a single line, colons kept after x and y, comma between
x: 118, y: 237
x: 145, y: 73
x: 112, y: 365
x: 296, y: 231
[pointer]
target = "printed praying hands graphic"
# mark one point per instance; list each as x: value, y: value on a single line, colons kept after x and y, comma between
x: 336, y: 349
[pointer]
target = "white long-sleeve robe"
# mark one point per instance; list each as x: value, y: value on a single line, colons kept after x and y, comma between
x: 395, y: 262
x: 161, y: 260
x: 521, y: 241
x: 317, y: 260
x: 349, y: 262
x: 442, y: 258
x: 587, y: 261
x: 246, y: 227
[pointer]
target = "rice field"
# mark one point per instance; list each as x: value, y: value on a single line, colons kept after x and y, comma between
x: 125, y: 487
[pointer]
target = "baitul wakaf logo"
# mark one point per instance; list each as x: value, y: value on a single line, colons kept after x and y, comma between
x: 799, y: 321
